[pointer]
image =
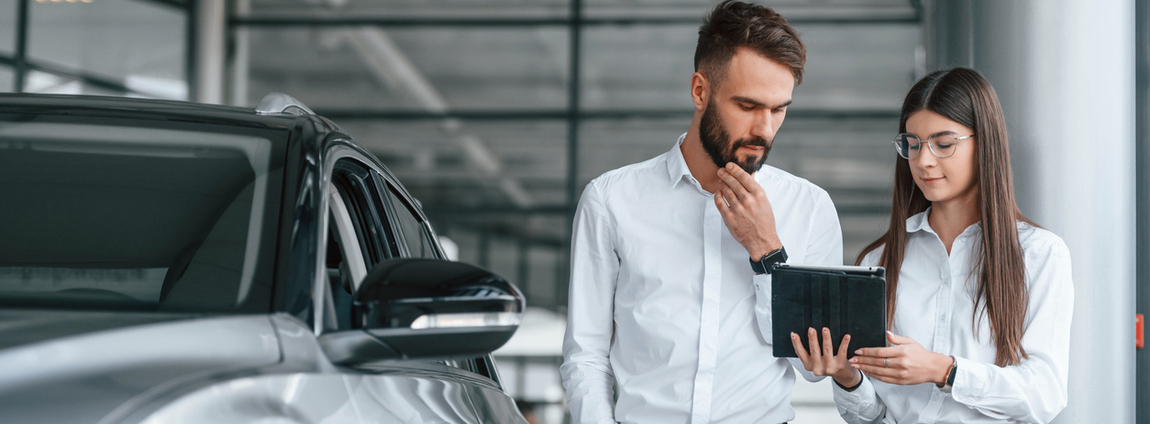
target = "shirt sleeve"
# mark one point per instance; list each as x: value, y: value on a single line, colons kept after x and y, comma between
x: 824, y: 246
x: 862, y: 405
x: 1035, y: 390
x: 586, y: 370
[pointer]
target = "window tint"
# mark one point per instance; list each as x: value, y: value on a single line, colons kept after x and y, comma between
x: 122, y: 217
x: 357, y: 186
x: 356, y: 240
x: 347, y: 232
x: 416, y: 237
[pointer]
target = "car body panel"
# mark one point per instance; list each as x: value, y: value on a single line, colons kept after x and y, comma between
x: 85, y: 377
x: 318, y: 393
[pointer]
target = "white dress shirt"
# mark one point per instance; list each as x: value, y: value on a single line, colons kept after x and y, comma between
x: 663, y: 300
x: 936, y: 295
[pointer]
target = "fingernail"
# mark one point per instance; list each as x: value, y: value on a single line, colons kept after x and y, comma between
x: 722, y: 171
x: 826, y: 330
x: 858, y: 352
x: 794, y: 336
x: 730, y: 165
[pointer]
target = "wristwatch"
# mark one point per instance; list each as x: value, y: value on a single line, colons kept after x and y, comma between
x: 950, y: 374
x: 767, y: 263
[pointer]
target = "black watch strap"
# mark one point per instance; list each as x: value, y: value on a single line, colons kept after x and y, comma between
x: 767, y: 263
x: 851, y: 388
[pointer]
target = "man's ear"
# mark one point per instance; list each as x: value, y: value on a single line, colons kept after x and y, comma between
x: 700, y: 90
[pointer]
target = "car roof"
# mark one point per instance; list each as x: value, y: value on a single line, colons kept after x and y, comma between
x: 123, y: 107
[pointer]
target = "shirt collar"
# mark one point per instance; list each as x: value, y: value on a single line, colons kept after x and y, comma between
x: 676, y: 163
x: 919, y: 222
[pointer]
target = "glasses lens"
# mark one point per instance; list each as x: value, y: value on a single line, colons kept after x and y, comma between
x: 943, y: 145
x: 906, y: 145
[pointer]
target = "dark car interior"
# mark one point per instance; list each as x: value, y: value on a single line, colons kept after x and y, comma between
x: 117, y: 226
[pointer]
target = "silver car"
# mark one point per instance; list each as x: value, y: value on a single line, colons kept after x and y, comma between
x: 169, y: 262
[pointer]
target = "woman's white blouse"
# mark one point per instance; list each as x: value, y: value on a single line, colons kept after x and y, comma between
x: 936, y: 294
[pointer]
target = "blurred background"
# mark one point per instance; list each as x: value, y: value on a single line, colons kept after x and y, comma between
x: 496, y: 113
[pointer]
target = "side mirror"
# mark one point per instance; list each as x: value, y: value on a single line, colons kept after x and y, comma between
x: 427, y: 308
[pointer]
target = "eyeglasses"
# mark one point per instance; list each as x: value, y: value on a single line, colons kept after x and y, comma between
x: 942, y: 145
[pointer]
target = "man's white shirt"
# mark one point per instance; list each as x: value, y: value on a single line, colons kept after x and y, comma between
x: 936, y: 293
x: 663, y: 300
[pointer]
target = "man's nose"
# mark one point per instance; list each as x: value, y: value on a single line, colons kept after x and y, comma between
x: 763, y: 126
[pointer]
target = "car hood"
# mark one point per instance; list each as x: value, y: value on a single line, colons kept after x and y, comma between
x: 72, y: 366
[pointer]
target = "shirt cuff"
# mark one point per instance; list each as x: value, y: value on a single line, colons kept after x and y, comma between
x: 762, y: 282
x: 855, y: 401
x: 969, y: 381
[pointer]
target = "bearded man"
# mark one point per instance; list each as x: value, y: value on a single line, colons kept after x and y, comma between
x: 663, y: 302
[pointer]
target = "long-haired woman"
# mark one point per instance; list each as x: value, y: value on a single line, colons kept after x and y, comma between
x: 979, y: 298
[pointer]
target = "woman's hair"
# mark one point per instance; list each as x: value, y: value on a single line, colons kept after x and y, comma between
x: 964, y: 96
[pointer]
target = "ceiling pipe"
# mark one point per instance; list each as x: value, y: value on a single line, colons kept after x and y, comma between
x: 393, y: 68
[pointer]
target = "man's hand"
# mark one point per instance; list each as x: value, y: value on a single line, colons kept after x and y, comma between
x: 906, y: 362
x: 746, y: 211
x: 820, y: 360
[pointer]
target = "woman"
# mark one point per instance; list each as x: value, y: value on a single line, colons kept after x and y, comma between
x: 978, y: 298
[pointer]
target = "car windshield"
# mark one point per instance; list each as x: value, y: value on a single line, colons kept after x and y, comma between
x: 130, y: 217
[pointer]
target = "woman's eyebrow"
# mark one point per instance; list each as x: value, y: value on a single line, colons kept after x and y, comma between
x: 947, y: 132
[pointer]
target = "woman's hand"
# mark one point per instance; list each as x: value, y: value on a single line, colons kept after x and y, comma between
x: 821, y: 361
x: 906, y: 362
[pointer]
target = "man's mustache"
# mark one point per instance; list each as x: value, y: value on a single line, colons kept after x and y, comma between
x: 751, y: 142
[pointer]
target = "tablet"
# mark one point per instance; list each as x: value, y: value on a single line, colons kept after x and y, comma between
x: 846, y: 299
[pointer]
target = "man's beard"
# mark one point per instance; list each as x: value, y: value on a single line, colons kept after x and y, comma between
x: 717, y: 144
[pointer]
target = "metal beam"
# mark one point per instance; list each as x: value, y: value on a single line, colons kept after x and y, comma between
x: 210, y: 17
x: 175, y: 4
x: 573, y: 118
x: 552, y: 210
x: 1142, y: 201
x: 560, y: 114
x: 274, y: 21
x: 101, y: 82
x: 604, y: 17
x: 20, y: 62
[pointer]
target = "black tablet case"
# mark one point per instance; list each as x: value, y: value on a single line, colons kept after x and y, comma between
x: 848, y: 300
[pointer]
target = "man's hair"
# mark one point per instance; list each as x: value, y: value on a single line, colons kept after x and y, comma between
x: 733, y: 25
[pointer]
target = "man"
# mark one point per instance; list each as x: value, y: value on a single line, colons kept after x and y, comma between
x: 663, y: 301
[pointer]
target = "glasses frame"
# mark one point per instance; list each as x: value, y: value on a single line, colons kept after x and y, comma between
x: 929, y: 145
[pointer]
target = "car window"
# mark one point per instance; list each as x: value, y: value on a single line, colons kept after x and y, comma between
x: 134, y: 217
x: 416, y: 238
x: 366, y: 210
x: 348, y: 235
x: 358, y: 237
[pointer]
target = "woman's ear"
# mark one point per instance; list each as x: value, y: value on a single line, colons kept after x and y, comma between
x: 700, y: 90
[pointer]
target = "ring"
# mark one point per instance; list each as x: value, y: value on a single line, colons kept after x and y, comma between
x: 886, y: 362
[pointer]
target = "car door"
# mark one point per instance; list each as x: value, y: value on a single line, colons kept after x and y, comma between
x: 361, y: 234
x: 417, y: 239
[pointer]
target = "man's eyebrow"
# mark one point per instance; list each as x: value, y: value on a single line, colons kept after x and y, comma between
x: 749, y: 100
